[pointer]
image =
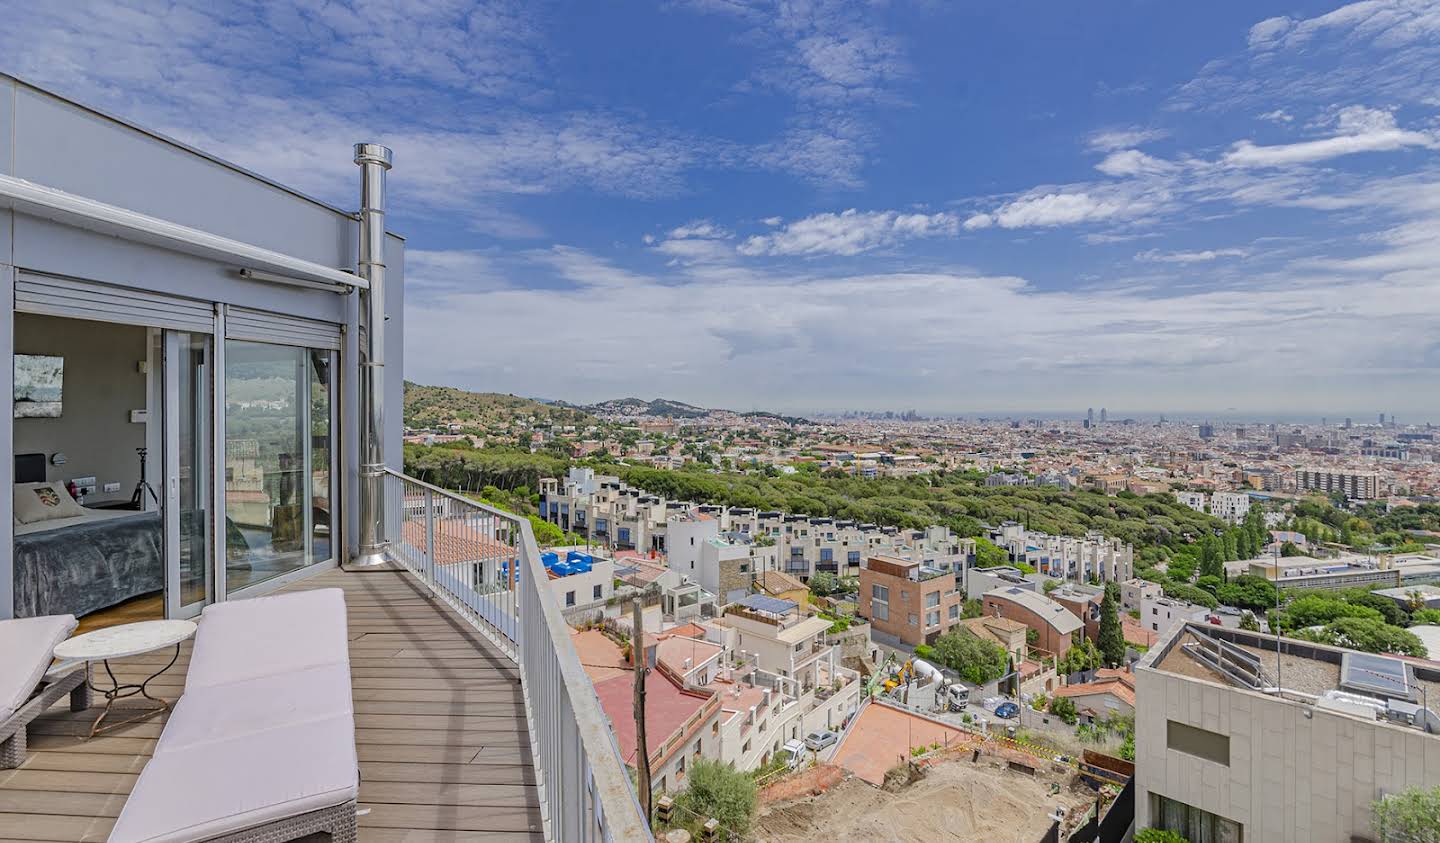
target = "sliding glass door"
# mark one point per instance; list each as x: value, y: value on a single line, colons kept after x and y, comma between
x: 278, y: 460
x: 187, y: 432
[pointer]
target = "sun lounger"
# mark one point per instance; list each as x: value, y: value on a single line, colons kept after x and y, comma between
x: 261, y: 746
x: 28, y: 686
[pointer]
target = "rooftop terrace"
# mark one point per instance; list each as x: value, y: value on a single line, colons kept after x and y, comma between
x: 440, y: 732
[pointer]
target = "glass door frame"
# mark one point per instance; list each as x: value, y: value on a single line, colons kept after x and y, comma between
x: 219, y: 552
x: 172, y: 369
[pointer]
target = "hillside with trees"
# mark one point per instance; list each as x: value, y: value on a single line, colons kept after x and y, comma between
x: 1157, y: 525
x: 432, y: 406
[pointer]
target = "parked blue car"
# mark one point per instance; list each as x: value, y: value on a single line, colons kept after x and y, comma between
x: 1007, y: 710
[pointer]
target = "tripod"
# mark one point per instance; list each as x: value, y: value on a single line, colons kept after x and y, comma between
x: 137, y: 500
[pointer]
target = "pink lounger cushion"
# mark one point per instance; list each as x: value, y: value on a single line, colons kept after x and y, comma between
x: 266, y: 636
x: 216, y: 788
x: 27, y: 647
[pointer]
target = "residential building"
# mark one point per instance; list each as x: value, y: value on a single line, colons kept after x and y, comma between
x: 1054, y: 625
x: 1082, y: 601
x: 1110, y: 693
x: 1134, y: 592
x: 1360, y: 485
x: 1160, y: 614
x: 907, y: 600
x: 1347, y: 572
x: 1230, y: 506
x: 1236, y: 741
x: 978, y: 581
x: 1008, y: 634
x: 1091, y: 558
x: 782, y: 585
x: 784, y: 641
x: 1198, y: 501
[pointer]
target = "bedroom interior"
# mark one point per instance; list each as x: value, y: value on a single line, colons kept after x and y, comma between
x: 95, y: 442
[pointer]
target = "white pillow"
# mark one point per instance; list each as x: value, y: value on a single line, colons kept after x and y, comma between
x: 36, y: 502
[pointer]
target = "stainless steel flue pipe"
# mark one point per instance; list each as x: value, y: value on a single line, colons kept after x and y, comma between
x: 374, y: 160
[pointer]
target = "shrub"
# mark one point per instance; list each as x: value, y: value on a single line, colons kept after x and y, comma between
x: 1064, y: 708
x: 1156, y: 835
x: 1412, y: 816
x: 718, y: 790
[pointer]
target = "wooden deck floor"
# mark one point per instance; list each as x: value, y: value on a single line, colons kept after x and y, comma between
x: 439, y: 728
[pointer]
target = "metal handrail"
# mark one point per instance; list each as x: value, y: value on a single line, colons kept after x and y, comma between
x: 485, y: 564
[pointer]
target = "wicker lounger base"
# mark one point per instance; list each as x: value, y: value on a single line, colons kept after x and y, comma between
x: 12, y: 731
x: 338, y: 822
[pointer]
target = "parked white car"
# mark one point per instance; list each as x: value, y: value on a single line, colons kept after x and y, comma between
x: 821, y: 739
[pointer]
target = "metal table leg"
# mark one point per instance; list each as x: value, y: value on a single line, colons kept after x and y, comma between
x: 120, y: 691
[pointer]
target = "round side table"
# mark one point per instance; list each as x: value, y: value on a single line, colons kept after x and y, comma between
x: 118, y: 642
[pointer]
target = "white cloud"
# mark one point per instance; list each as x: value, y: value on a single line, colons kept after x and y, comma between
x: 784, y: 340
x: 700, y: 229
x: 1359, y: 129
x: 1045, y: 210
x: 1203, y: 256
x: 849, y: 233
x: 1133, y: 162
x: 1109, y: 140
x: 1279, y: 115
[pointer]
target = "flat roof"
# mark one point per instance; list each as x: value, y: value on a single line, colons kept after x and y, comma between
x: 766, y: 603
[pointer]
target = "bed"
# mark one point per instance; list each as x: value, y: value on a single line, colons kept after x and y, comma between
x: 88, y: 562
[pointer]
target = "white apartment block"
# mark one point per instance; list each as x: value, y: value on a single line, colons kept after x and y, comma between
x: 611, y: 513
x: 1360, y: 485
x: 1236, y: 742
x: 1198, y: 501
x: 1230, y: 506
x: 1068, y: 557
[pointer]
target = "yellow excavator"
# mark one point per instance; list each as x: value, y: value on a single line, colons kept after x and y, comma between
x: 899, y: 678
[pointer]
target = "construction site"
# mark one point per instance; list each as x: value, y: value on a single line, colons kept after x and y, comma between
x: 900, y: 775
x: 952, y: 796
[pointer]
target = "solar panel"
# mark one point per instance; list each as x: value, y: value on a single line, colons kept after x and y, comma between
x: 1372, y: 674
x: 765, y: 603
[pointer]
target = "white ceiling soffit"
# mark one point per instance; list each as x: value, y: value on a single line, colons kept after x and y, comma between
x: 49, y: 203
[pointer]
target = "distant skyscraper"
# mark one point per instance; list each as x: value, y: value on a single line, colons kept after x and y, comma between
x: 1382, y: 419
x: 1090, y: 415
x: 1105, y: 415
x: 1207, y: 431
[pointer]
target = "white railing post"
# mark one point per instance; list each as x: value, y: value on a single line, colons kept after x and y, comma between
x: 429, y: 535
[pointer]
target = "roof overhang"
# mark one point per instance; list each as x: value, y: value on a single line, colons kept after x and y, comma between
x: 251, y: 260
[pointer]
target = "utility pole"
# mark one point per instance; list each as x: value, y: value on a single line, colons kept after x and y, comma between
x: 642, y: 753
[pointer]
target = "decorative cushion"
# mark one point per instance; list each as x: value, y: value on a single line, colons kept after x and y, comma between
x: 27, y: 647
x: 36, y: 502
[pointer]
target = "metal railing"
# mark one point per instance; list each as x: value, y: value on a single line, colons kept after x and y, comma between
x: 485, y: 564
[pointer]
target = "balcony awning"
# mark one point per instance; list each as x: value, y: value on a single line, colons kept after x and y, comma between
x: 48, y: 203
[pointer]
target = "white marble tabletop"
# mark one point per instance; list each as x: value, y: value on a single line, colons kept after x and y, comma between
x: 131, y: 639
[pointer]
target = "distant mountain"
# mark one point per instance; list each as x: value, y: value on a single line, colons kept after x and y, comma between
x: 662, y: 407
x: 434, y: 406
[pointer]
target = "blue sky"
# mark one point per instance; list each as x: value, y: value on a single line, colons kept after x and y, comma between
x: 817, y: 204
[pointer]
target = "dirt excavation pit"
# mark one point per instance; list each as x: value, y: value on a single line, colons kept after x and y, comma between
x: 955, y: 800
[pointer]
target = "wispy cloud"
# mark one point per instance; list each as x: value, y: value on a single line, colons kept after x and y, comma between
x: 849, y: 233
x: 1202, y: 256
x: 1358, y: 129
x: 1108, y: 140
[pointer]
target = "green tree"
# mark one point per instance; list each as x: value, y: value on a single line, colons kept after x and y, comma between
x: 1291, y: 549
x: 717, y: 790
x: 1412, y: 816
x: 973, y: 608
x: 988, y: 555
x: 1112, y: 637
x: 977, y: 661
x: 1064, y: 708
x: 1081, y: 656
x: 1368, y: 635
x: 824, y: 584
x: 1248, y: 591
x: 1249, y: 622
x: 1425, y: 616
x: 1157, y: 835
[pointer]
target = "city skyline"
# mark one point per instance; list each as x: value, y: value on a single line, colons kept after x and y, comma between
x: 825, y: 204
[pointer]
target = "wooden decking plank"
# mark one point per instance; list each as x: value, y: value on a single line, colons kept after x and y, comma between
x: 450, y: 773
x: 452, y: 817
x: 445, y: 793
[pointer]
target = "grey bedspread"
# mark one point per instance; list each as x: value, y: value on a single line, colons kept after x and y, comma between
x: 83, y: 568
